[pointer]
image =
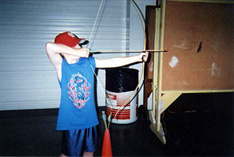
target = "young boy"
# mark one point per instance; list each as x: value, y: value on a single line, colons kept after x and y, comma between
x: 75, y: 71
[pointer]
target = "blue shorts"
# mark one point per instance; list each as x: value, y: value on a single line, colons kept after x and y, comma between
x: 75, y: 142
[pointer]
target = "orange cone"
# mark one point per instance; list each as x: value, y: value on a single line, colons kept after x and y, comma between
x: 106, y: 147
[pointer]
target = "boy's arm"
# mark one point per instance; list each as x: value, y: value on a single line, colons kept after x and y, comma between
x: 54, y: 50
x: 53, y: 54
x: 118, y: 62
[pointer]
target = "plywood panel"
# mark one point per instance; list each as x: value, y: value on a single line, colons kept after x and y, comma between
x: 199, y: 37
x: 150, y: 29
x: 150, y: 33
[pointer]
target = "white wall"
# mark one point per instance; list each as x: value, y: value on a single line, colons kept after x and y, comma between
x: 27, y: 78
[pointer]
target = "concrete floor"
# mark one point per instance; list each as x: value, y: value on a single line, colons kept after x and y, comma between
x: 196, y: 125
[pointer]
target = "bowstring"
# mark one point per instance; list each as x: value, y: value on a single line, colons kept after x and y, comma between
x: 95, y: 23
x: 92, y: 36
x: 141, y: 16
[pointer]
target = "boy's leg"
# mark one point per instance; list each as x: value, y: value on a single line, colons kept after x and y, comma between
x: 91, y: 142
x: 62, y: 155
x: 75, y: 142
x: 72, y: 143
x: 88, y: 154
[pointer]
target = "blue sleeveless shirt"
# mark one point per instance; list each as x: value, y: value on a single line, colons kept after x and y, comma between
x: 77, y: 106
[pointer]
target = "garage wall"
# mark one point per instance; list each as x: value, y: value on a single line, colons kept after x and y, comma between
x: 27, y: 78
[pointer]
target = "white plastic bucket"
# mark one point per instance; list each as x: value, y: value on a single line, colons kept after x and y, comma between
x: 115, y: 101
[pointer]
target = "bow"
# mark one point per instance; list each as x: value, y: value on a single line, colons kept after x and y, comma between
x: 140, y: 14
x: 140, y: 82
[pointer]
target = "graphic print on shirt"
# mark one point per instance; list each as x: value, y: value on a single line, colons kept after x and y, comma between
x: 78, y: 90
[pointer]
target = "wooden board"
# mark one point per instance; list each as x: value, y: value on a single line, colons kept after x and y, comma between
x: 150, y: 34
x: 200, y: 40
x: 150, y: 29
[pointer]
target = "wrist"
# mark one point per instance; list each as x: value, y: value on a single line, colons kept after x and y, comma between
x: 140, y: 58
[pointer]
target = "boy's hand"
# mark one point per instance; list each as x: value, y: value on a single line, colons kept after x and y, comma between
x: 144, y: 56
x: 83, y: 52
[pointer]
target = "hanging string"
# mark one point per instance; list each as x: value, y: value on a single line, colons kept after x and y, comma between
x: 92, y: 34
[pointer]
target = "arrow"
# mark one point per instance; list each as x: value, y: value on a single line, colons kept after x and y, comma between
x: 127, y: 51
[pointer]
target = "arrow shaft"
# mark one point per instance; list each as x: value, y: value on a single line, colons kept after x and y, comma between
x: 127, y: 51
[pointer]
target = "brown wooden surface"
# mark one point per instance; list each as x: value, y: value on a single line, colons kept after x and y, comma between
x: 189, y: 26
x: 150, y: 28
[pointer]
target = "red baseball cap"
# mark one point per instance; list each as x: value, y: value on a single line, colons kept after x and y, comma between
x: 69, y: 39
